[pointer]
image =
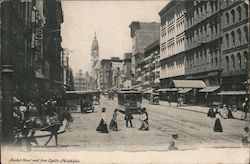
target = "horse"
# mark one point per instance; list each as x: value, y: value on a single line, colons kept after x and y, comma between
x: 41, y: 124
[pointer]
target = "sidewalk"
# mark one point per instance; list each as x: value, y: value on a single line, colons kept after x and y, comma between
x: 194, y: 108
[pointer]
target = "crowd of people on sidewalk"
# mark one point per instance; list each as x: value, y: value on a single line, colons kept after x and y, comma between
x: 103, y: 125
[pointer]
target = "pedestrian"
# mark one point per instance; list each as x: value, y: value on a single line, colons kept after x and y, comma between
x: 230, y: 114
x: 173, y: 144
x: 113, y: 124
x: 210, y: 112
x: 103, y: 128
x: 128, y: 118
x: 217, y: 124
x: 144, y: 118
x: 245, y: 109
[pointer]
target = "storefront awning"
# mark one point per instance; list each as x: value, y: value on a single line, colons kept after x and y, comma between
x: 185, y: 90
x: 232, y: 93
x: 210, y: 89
x: 167, y: 90
x: 189, y: 84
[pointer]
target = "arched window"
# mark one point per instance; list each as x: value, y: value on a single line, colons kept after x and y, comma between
x: 233, y: 62
x: 227, y: 63
x: 233, y: 16
x: 227, y: 40
x: 245, y: 57
x: 239, y: 60
x: 239, y: 12
x: 233, y: 37
x: 246, y: 33
x: 246, y: 9
x: 239, y: 36
x: 227, y: 18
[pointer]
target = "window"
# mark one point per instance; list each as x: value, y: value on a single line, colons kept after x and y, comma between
x: 239, y: 60
x: 239, y: 12
x: 233, y: 62
x: 239, y: 36
x: 246, y: 9
x: 233, y: 16
x: 246, y: 33
x: 233, y: 37
x: 227, y: 18
x: 227, y: 40
x: 245, y: 57
x: 227, y: 62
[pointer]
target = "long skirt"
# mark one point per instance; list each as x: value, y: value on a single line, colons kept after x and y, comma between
x: 113, y: 125
x: 217, y: 126
x: 103, y: 128
x: 144, y: 125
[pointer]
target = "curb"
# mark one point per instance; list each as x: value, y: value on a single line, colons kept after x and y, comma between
x: 181, y: 108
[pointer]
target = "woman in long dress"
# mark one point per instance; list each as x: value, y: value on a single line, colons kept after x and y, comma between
x: 144, y: 119
x: 103, y: 128
x: 113, y: 124
x: 217, y: 124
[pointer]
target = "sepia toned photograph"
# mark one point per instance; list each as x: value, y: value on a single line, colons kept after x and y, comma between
x: 160, y: 81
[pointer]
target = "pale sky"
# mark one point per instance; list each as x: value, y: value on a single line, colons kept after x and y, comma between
x: 110, y: 20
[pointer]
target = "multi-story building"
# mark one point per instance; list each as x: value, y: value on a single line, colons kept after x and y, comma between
x: 68, y: 79
x: 235, y: 47
x: 142, y: 34
x: 213, y: 47
x: 127, y: 73
x: 111, y: 73
x: 172, y: 41
x: 105, y: 74
x: 31, y: 52
x: 80, y: 81
x: 151, y: 65
x: 117, y: 71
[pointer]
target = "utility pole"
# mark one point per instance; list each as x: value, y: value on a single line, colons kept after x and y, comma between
x: 7, y: 73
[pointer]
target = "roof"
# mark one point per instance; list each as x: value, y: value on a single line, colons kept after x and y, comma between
x: 189, y: 84
x: 210, y: 89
